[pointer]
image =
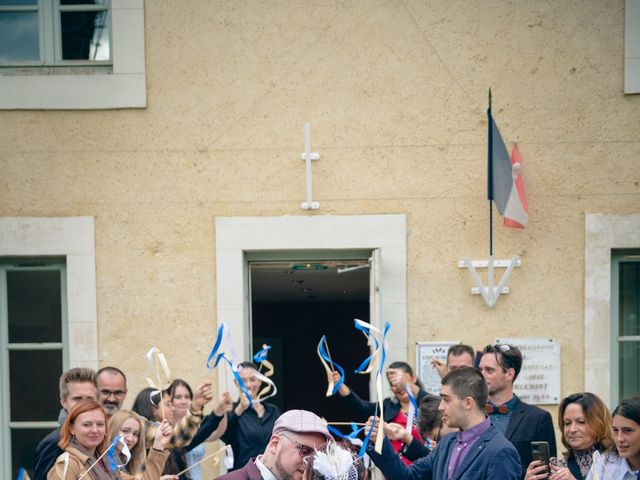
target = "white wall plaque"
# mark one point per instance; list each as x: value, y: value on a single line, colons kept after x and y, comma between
x: 425, y: 351
x: 539, y: 379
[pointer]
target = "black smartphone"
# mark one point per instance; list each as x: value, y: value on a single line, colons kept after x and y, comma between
x: 540, y: 451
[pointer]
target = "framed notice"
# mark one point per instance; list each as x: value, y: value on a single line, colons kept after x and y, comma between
x: 539, y: 379
x: 425, y: 352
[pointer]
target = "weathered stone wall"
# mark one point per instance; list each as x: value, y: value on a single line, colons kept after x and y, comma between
x: 396, y: 92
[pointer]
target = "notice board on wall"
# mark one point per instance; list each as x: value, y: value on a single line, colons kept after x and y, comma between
x: 425, y: 352
x: 539, y: 379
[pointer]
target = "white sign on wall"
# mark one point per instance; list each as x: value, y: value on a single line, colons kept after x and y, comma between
x: 539, y: 379
x: 425, y: 352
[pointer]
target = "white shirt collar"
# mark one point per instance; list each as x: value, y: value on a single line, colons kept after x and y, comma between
x: 264, y: 471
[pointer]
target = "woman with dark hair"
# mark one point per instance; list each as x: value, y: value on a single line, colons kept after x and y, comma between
x: 83, y: 437
x: 249, y: 429
x: 147, y: 405
x: 585, y: 423
x: 623, y: 462
x: 396, y: 408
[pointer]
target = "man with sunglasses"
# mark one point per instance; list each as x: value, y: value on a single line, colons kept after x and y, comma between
x: 520, y: 422
x: 296, y: 435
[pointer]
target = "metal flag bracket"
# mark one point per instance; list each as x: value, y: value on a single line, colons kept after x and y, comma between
x: 490, y: 293
x: 307, y: 156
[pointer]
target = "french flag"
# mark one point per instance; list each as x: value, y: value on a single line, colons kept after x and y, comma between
x: 505, y: 182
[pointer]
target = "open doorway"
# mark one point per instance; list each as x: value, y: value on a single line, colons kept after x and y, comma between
x: 295, y: 303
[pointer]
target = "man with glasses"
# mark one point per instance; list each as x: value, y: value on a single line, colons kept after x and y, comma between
x: 520, y: 422
x: 296, y: 435
x: 75, y: 385
x: 112, y: 388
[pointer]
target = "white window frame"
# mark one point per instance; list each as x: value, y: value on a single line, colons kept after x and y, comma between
x: 66, y: 87
x: 6, y: 347
x: 73, y: 239
x: 50, y: 36
x: 240, y: 237
x: 603, y: 233
x: 632, y: 46
x: 616, y: 338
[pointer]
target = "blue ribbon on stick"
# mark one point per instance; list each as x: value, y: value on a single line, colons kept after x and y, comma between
x: 261, y: 356
x: 236, y: 375
x: 325, y: 356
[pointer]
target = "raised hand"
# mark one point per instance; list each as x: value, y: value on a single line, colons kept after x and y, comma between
x: 163, y: 435
x: 374, y: 433
x: 343, y: 390
x: 395, y: 431
x: 224, y: 405
x: 202, y: 396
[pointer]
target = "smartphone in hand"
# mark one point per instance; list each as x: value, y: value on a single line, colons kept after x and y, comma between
x: 540, y: 451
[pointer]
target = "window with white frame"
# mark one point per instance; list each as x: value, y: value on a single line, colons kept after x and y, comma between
x: 55, y: 33
x: 625, y: 315
x: 33, y: 339
x: 72, y: 54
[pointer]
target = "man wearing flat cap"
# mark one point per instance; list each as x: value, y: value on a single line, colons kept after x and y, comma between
x: 297, y: 434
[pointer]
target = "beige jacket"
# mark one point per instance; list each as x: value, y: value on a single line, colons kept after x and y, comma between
x: 77, y: 465
x: 153, y: 466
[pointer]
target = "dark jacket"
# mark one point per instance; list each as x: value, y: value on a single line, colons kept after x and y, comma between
x: 491, y: 457
x: 46, y: 453
x: 363, y: 410
x: 415, y: 450
x: 248, y: 472
x: 529, y: 423
x: 207, y: 427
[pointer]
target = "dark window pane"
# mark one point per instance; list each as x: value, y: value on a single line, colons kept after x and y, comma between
x: 33, y: 384
x: 629, y: 299
x: 85, y: 35
x: 13, y: 3
x: 23, y: 444
x: 35, y: 311
x: 629, y: 368
x: 83, y: 2
x: 19, y: 36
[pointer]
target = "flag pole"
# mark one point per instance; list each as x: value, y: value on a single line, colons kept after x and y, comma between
x: 490, y: 174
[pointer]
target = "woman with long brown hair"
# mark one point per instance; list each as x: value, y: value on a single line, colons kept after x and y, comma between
x: 585, y: 423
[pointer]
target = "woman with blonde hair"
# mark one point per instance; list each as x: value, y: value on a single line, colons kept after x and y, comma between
x: 83, y: 437
x: 585, y: 423
x: 131, y: 426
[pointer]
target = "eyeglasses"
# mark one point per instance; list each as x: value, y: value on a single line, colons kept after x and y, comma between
x: 115, y: 393
x: 303, y: 450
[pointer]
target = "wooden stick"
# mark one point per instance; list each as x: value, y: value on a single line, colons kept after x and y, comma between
x: 94, y: 463
x: 346, y: 423
x: 326, y: 344
x: 202, y: 460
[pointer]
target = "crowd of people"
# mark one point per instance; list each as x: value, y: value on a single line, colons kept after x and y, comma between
x: 476, y: 428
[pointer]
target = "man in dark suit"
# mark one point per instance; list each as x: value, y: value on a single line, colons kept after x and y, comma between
x: 296, y: 435
x: 479, y: 451
x: 520, y: 422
